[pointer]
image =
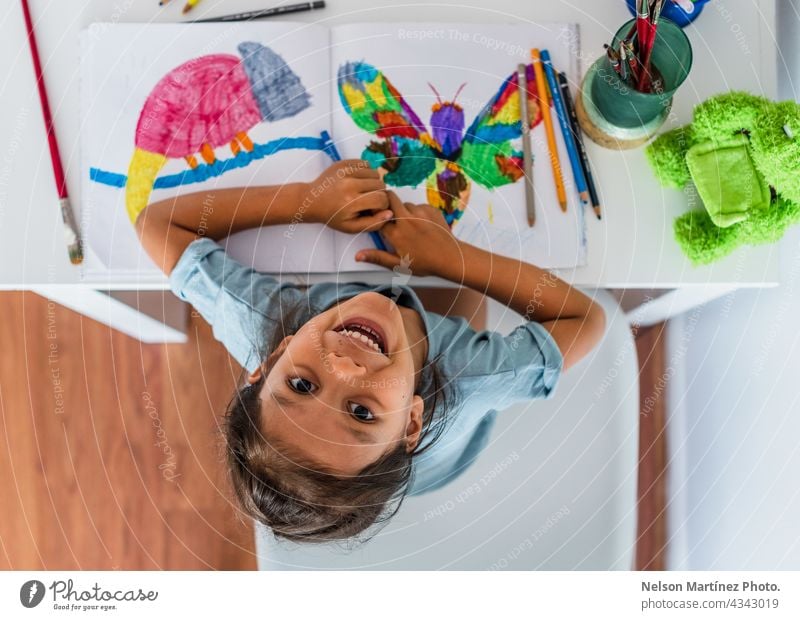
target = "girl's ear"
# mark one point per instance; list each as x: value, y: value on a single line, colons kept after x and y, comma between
x: 255, y: 376
x: 414, y: 426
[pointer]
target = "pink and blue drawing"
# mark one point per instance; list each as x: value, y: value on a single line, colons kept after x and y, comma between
x: 206, y: 103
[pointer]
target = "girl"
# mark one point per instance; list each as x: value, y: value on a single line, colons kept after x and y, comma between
x: 355, y: 395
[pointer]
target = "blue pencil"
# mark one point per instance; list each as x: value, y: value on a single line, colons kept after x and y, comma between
x: 566, y: 130
x: 330, y: 149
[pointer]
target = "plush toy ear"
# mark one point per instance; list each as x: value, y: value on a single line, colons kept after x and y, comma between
x: 667, y: 156
x: 725, y: 115
x: 776, y: 151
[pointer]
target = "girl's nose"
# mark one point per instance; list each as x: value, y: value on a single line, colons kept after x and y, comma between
x: 344, y: 366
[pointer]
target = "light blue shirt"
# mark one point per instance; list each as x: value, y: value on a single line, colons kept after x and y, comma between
x: 487, y: 371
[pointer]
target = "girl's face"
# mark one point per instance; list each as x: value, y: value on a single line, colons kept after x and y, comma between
x: 341, y: 391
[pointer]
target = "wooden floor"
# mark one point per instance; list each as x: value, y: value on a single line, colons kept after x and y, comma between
x: 112, y: 455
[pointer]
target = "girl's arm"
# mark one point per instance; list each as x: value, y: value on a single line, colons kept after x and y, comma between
x: 348, y: 196
x: 422, y: 238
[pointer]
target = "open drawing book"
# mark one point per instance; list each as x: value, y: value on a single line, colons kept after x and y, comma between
x: 169, y: 109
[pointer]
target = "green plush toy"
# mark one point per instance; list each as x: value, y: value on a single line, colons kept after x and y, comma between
x: 742, y: 152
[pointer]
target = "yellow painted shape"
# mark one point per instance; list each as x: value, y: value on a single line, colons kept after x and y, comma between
x: 490, y: 211
x: 376, y: 92
x: 434, y: 198
x: 509, y: 113
x: 355, y: 98
x: 142, y: 173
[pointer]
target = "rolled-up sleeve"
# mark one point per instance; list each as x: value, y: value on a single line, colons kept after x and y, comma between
x: 235, y: 300
x: 498, y: 370
x: 536, y: 359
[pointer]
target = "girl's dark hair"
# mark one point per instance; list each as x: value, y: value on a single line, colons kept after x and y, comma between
x: 293, y: 497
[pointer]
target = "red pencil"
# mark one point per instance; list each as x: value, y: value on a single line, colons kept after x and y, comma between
x: 70, y: 229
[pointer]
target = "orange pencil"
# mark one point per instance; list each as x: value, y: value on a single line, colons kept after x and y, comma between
x: 544, y: 106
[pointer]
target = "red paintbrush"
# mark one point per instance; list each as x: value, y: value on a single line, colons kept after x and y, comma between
x: 647, y: 47
x: 645, y: 75
x: 70, y: 229
x: 641, y: 24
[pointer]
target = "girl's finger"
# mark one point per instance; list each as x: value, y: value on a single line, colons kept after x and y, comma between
x: 378, y: 257
x: 364, y: 171
x: 371, y: 184
x: 396, y: 205
x: 372, y: 201
x: 371, y: 223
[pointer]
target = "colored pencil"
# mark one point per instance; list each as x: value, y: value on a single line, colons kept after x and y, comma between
x: 189, y: 5
x: 331, y: 149
x: 544, y: 106
x: 566, y: 129
x: 278, y: 10
x: 576, y: 132
x: 71, y: 233
x: 527, y: 157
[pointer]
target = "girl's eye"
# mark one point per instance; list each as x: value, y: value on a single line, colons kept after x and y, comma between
x: 360, y: 412
x: 300, y: 385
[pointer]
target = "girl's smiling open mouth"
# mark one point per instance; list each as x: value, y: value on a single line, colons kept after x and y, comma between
x: 365, y: 333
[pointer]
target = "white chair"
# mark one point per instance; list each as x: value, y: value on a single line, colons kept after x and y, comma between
x: 554, y: 490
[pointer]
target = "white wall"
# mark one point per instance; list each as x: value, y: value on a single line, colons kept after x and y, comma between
x: 734, y: 429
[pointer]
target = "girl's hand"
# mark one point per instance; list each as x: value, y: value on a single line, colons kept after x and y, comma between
x: 421, y: 238
x: 349, y: 196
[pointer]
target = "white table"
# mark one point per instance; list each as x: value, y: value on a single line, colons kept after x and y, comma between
x: 631, y: 248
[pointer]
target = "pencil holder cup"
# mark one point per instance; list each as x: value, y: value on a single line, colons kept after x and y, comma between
x: 616, y: 115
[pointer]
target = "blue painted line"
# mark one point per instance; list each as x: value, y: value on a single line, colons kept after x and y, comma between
x: 107, y: 178
x: 243, y: 159
x: 219, y: 167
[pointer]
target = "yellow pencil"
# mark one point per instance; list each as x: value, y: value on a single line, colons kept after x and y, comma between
x: 189, y: 5
x: 544, y: 106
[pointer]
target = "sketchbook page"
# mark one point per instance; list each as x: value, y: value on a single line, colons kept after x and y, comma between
x: 173, y: 109
x: 429, y: 65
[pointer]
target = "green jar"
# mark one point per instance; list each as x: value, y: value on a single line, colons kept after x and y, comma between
x: 619, y: 103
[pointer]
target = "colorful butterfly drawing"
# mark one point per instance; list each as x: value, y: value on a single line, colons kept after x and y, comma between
x: 445, y: 157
